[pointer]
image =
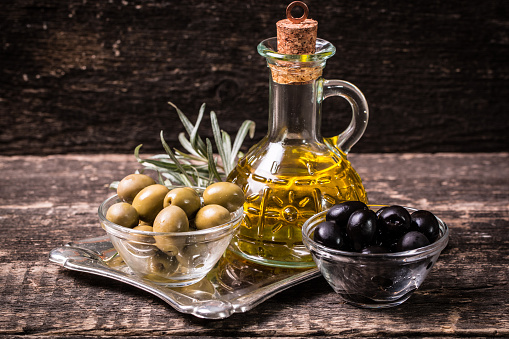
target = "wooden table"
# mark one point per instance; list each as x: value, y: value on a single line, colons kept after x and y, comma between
x: 48, y: 201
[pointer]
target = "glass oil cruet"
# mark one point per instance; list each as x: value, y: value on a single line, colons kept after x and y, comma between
x: 294, y: 172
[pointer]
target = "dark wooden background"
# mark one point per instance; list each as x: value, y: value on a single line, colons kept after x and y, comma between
x: 95, y: 76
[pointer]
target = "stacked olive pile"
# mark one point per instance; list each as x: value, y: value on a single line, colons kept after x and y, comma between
x: 148, y: 206
x: 352, y: 226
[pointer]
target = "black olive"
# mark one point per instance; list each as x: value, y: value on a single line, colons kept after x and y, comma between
x: 361, y: 228
x: 411, y: 241
x: 341, y: 213
x: 385, y: 241
x: 382, y: 282
x: 394, y: 221
x: 328, y: 234
x: 374, y: 249
x: 426, y: 223
x: 380, y: 211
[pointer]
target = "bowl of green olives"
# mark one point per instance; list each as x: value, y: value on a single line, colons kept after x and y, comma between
x: 172, y: 236
x: 374, y: 256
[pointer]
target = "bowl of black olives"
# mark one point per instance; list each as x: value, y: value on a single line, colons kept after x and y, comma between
x: 374, y: 256
x: 171, y: 236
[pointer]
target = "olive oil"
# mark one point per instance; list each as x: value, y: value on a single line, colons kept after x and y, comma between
x: 284, y: 185
x: 293, y: 172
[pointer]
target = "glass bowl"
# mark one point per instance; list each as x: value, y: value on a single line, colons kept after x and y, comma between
x: 188, y: 256
x: 373, y: 280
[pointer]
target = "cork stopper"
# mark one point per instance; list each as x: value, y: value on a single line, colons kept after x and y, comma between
x: 296, y: 35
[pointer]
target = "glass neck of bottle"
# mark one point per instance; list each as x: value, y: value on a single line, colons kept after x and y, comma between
x: 294, y: 112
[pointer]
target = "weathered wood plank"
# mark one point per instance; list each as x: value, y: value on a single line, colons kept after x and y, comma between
x: 95, y: 76
x: 48, y: 201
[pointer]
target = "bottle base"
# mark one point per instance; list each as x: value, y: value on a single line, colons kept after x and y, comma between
x: 296, y: 257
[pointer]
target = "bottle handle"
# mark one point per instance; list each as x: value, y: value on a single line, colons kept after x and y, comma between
x: 360, y: 113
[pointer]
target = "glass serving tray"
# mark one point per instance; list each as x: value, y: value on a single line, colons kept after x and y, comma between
x: 234, y: 285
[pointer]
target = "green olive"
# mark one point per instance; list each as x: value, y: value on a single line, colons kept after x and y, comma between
x: 225, y: 194
x: 149, y: 201
x: 161, y: 265
x: 141, y: 243
x: 144, y: 223
x: 185, y: 198
x: 144, y: 239
x: 122, y: 214
x: 146, y: 228
x: 193, y: 255
x: 170, y: 219
x: 132, y: 185
x: 211, y: 215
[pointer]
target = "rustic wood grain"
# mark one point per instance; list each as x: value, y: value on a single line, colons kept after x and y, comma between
x: 48, y: 201
x: 95, y: 76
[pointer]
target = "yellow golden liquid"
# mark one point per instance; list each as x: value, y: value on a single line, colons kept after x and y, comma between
x: 284, y: 185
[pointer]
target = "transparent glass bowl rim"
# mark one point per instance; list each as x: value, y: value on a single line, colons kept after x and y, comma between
x: 237, y: 215
x: 438, y: 245
x: 324, y: 50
